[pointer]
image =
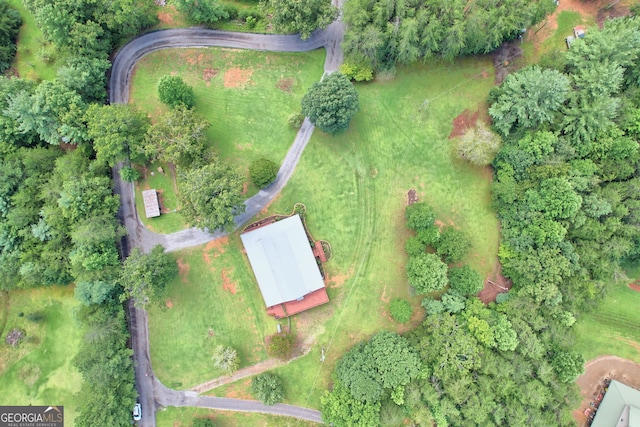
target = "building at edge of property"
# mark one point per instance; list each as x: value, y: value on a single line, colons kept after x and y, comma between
x: 620, y: 407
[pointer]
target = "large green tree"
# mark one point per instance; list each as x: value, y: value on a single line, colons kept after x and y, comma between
x: 211, y: 195
x: 267, y: 388
x: 426, y: 273
x: 118, y: 132
x: 145, y: 276
x: 178, y: 137
x: 173, y: 91
x: 331, y: 103
x: 204, y: 12
x: 527, y: 99
x: 302, y: 17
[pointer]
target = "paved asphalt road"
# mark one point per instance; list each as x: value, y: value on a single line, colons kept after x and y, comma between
x: 152, y: 392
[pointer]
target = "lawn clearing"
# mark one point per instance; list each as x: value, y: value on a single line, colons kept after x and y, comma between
x: 355, y: 185
x: 35, y: 59
x: 614, y: 328
x: 160, y: 176
x: 247, y: 96
x: 183, y: 417
x: 39, y: 371
x: 214, y: 301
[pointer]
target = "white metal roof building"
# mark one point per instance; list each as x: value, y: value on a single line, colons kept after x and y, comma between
x: 282, y: 261
x: 620, y: 407
x: 151, y: 203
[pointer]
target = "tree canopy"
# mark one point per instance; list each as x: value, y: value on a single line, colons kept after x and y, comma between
x: 426, y: 273
x: 331, y: 103
x: 10, y: 22
x: 173, y: 91
x: 302, y: 17
x: 211, y: 195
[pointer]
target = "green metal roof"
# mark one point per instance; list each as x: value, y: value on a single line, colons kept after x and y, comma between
x: 620, y: 407
x: 282, y: 261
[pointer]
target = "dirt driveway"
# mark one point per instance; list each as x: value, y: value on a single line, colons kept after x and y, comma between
x: 596, y: 371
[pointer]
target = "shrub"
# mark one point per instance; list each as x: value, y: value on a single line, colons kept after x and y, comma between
x: 267, y: 388
x: 503, y: 297
x: 419, y: 216
x: 414, y: 246
x: 426, y: 273
x: 478, y: 145
x: 453, y: 245
x: 429, y: 236
x: 295, y: 120
x: 173, y: 91
x: 281, y: 345
x: 129, y: 174
x: 357, y: 72
x: 202, y: 422
x: 401, y: 310
x: 226, y: 358
x: 465, y: 280
x: 263, y: 172
x: 453, y: 302
x: 432, y: 306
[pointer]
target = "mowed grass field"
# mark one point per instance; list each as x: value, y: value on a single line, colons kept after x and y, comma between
x: 183, y: 417
x: 215, y: 301
x: 40, y: 371
x: 247, y: 96
x: 355, y: 188
x: 614, y: 328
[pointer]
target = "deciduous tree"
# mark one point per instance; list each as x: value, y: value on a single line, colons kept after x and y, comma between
x: 145, y: 276
x: 173, y: 91
x: 211, y: 195
x: 426, y: 273
x: 267, y: 388
x: 302, y: 17
x: 331, y: 103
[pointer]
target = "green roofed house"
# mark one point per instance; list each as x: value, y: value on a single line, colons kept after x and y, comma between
x: 620, y: 407
x: 284, y: 265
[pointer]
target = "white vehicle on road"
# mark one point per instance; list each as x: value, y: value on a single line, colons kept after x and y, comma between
x: 137, y: 412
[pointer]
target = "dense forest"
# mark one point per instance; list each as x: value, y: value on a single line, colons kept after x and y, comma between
x: 382, y: 32
x: 58, y: 221
x: 566, y: 189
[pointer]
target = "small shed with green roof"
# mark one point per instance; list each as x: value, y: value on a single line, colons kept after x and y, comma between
x: 620, y: 407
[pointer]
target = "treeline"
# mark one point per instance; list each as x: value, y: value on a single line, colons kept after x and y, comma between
x: 382, y: 32
x: 566, y: 179
x: 566, y: 190
x: 58, y: 221
x: 10, y: 22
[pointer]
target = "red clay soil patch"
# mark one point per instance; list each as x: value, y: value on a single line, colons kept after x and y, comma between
x: 235, y: 78
x: 167, y: 17
x: 227, y: 283
x: 245, y: 187
x: 615, y: 11
x: 183, y: 270
x: 465, y: 121
x: 596, y: 371
x: 208, y: 74
x: 218, y: 246
x: 240, y: 390
x: 285, y: 85
x: 635, y: 285
x: 169, y: 304
x: 338, y: 280
x: 494, y: 285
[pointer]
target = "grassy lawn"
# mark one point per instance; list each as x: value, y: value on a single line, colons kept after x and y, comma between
x: 615, y: 327
x: 214, y: 301
x: 247, y: 96
x: 183, y: 417
x: 163, y: 182
x: 30, y: 60
x: 39, y: 371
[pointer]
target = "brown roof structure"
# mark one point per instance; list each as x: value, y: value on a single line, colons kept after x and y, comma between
x: 151, y: 203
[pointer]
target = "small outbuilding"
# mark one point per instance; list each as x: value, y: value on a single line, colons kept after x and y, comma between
x: 620, y: 407
x: 151, y: 203
x: 284, y: 266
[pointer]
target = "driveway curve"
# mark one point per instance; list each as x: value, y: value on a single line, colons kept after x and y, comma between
x: 151, y: 391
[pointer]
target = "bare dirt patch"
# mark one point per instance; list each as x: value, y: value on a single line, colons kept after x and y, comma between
x: 596, y: 371
x: 463, y: 122
x: 240, y: 390
x: 208, y: 74
x: 617, y: 10
x: 169, y: 304
x: 285, y: 85
x: 507, y: 59
x: 183, y: 270
x: 337, y: 280
x: 635, y: 285
x: 235, y: 78
x: 495, y: 284
x: 227, y: 283
x: 218, y: 246
x: 167, y: 16
x: 245, y: 187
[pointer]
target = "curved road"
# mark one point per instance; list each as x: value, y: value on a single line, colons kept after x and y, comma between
x: 151, y: 391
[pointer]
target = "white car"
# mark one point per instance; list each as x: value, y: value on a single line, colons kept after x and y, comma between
x: 137, y: 412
